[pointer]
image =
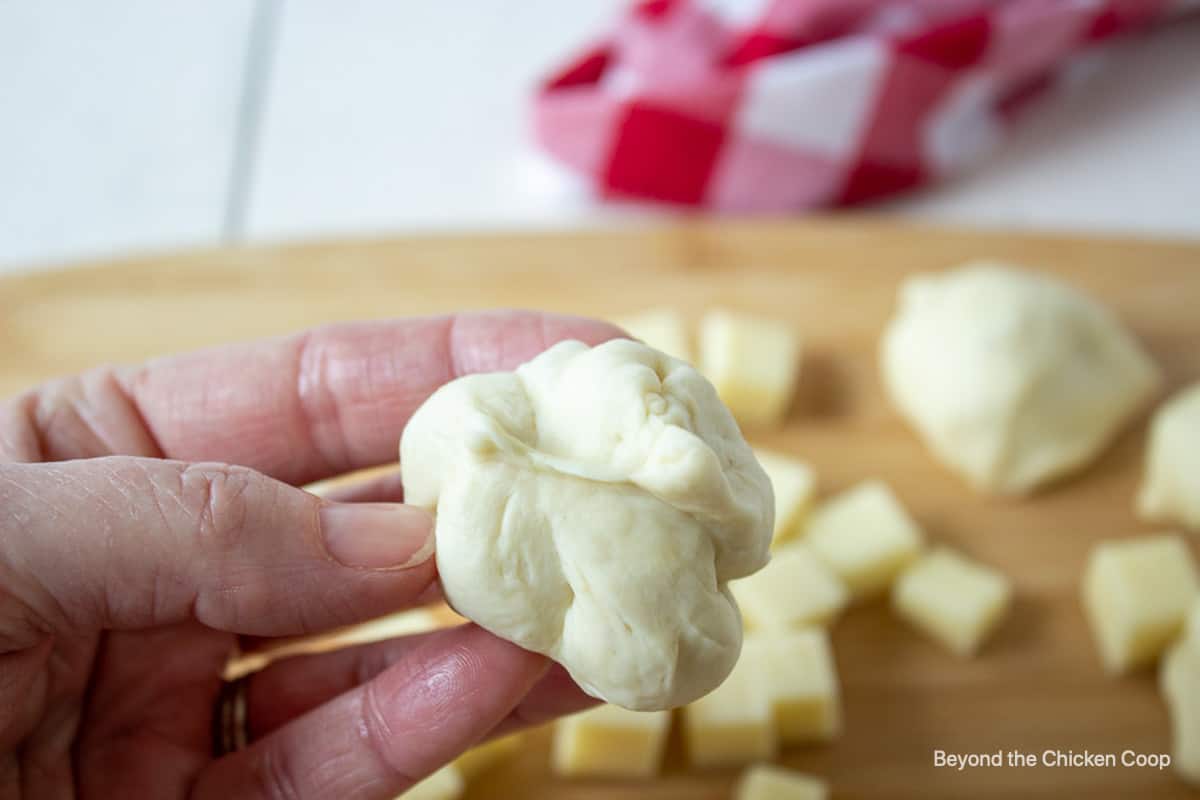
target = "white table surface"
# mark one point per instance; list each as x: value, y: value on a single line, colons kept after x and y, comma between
x: 154, y: 124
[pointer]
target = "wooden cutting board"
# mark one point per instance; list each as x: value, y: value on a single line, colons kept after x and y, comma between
x: 1037, y: 685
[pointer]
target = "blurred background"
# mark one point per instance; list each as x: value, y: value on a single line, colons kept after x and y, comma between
x: 150, y: 125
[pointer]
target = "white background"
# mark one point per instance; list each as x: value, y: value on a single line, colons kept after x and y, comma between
x: 152, y: 124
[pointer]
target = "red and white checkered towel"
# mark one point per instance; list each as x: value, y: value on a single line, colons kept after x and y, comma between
x: 768, y: 105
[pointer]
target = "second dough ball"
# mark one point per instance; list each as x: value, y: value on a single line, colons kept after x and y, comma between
x: 1012, y: 378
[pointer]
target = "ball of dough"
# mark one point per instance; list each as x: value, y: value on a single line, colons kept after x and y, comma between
x: 1171, y: 490
x: 591, y: 506
x: 1012, y: 378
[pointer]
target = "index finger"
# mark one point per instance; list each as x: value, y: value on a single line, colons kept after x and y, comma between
x: 333, y: 399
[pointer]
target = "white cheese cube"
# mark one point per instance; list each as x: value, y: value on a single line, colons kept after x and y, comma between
x: 793, y: 590
x: 1171, y: 489
x: 752, y: 362
x: 802, y: 683
x: 483, y: 757
x: 795, y: 486
x: 952, y: 599
x: 1180, y: 685
x: 662, y: 328
x: 445, y: 784
x: 1136, y: 593
x: 733, y: 723
x: 769, y: 782
x: 610, y: 741
x: 865, y: 536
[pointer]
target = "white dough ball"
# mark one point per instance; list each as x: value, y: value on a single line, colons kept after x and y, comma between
x: 591, y: 506
x: 1012, y: 378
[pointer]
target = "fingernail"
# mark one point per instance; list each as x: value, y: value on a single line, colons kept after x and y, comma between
x: 377, y: 535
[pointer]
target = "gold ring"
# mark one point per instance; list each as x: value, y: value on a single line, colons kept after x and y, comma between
x: 230, y: 728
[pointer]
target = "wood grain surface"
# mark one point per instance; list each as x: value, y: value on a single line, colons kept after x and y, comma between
x: 1037, y: 685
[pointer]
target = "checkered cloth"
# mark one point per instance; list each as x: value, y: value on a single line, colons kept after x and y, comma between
x: 768, y: 105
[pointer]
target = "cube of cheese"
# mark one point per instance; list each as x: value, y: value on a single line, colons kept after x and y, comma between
x: 610, y: 741
x: 445, y: 784
x: 733, y: 723
x: 1180, y: 685
x: 1136, y: 593
x: 802, y: 684
x: 795, y: 485
x: 865, y: 536
x: 953, y: 599
x: 752, y: 362
x: 769, y: 782
x: 661, y: 328
x: 793, y: 590
x: 482, y: 757
x: 1171, y: 488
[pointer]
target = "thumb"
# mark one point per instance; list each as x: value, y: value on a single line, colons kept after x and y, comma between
x: 125, y: 542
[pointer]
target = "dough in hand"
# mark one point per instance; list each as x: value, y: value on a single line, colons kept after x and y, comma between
x: 591, y: 506
x: 1171, y: 491
x: 1012, y: 378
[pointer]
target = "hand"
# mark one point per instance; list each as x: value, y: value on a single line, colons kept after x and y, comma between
x: 128, y: 568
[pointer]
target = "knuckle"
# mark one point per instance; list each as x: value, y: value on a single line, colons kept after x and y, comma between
x: 229, y: 513
x: 217, y: 502
x: 20, y: 440
x: 80, y: 416
x: 64, y: 417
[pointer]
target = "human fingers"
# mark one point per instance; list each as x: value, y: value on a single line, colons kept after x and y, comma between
x: 125, y: 543
x: 291, y: 687
x: 144, y: 722
x: 299, y: 408
x: 380, y: 738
